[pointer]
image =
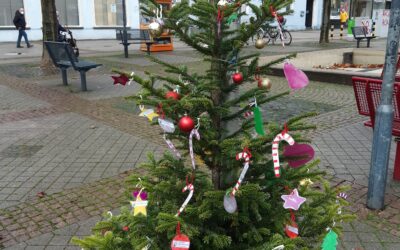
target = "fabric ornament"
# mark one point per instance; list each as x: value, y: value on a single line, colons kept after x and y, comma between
x: 292, y: 230
x: 121, y: 79
x: 180, y: 241
x: 330, y: 241
x: 275, y: 148
x: 293, y: 200
x: 303, y: 152
x: 190, y: 187
x: 194, y: 132
x: 230, y: 204
x: 296, y: 78
x: 139, y: 206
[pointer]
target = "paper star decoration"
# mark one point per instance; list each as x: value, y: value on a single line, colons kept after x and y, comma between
x: 149, y: 113
x: 306, y: 182
x: 293, y: 201
x: 122, y: 79
x: 139, y: 207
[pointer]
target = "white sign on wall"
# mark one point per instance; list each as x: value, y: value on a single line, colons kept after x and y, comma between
x: 381, y: 18
x: 365, y: 22
x: 113, y: 7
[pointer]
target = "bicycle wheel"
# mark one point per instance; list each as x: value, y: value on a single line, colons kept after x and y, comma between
x: 286, y: 37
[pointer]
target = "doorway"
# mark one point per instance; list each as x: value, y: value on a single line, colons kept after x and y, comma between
x: 309, y: 13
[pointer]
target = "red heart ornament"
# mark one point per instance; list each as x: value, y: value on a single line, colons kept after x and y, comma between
x: 303, y: 151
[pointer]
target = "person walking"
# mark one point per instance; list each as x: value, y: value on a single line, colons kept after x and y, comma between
x: 20, y: 24
x: 343, y: 17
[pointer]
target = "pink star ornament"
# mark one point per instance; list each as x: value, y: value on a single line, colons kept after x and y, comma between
x: 293, y: 200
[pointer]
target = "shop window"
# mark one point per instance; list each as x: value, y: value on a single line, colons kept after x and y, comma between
x: 68, y: 12
x: 7, y: 11
x: 108, y: 12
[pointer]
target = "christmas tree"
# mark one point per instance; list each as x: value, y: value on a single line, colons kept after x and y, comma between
x: 225, y: 184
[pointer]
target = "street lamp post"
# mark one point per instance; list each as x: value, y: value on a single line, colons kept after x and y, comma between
x: 124, y: 33
x: 384, y: 116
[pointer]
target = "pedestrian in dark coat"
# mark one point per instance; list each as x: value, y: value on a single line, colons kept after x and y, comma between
x: 20, y: 24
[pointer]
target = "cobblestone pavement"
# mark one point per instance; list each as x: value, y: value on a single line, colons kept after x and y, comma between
x: 78, y: 147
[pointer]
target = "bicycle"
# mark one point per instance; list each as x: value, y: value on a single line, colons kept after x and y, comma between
x: 269, y: 33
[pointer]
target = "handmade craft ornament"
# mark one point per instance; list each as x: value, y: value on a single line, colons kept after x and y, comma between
x: 180, y: 241
x: 194, y: 132
x: 296, y: 78
x: 139, y: 205
x: 275, y: 149
x: 233, y: 17
x: 293, y: 200
x: 121, y: 79
x: 258, y: 121
x: 186, y: 124
x: 230, y: 203
x: 303, y: 152
x: 190, y: 187
x: 247, y: 114
x: 264, y: 83
x: 260, y: 43
x: 222, y: 4
x: 330, y: 241
x: 141, y: 193
x: 166, y: 125
x: 237, y: 77
x: 149, y: 113
x: 292, y: 230
x: 306, y: 182
x: 280, y: 247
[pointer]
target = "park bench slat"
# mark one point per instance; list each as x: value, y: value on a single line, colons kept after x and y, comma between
x: 136, y: 36
x: 360, y: 33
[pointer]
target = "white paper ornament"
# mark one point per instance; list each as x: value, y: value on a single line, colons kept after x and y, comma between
x: 230, y: 203
x: 167, y: 125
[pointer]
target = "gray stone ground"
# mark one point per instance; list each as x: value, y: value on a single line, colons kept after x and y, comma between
x: 65, y: 149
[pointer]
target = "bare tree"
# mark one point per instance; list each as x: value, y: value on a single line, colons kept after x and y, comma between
x: 49, y: 29
x: 326, y: 16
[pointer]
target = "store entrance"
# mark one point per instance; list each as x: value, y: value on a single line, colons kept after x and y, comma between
x: 309, y: 13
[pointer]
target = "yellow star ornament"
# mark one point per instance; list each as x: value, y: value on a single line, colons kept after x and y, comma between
x: 306, y: 182
x: 149, y: 113
x: 139, y: 206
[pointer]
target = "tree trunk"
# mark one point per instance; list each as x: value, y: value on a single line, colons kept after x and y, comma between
x: 49, y: 29
x: 326, y: 16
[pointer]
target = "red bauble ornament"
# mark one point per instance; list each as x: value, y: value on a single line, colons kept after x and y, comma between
x: 125, y: 229
x: 186, y: 124
x: 180, y: 242
x: 280, y: 18
x: 172, y: 95
x: 237, y: 78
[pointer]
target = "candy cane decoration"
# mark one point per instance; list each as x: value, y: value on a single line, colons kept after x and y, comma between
x: 189, y: 187
x: 245, y: 155
x: 194, y: 132
x: 275, y: 149
x: 172, y: 147
x: 248, y: 114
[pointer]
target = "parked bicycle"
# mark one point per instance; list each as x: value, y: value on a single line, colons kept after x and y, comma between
x: 272, y: 33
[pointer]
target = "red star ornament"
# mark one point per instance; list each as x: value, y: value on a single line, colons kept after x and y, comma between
x: 122, y: 79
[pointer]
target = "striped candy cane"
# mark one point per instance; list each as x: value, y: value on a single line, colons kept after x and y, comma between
x: 275, y: 149
x: 194, y: 132
x: 248, y: 114
x: 189, y: 187
x: 172, y: 147
x: 245, y: 155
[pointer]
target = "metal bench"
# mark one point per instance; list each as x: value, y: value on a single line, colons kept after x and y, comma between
x: 368, y: 96
x: 360, y: 33
x: 137, y: 36
x: 63, y: 57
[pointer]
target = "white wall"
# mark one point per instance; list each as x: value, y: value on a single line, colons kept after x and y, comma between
x: 86, y: 22
x: 317, y: 14
x: 297, y: 20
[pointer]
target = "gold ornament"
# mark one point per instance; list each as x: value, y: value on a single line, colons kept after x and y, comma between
x: 155, y: 29
x: 149, y: 113
x: 260, y: 43
x: 264, y: 83
x: 306, y: 182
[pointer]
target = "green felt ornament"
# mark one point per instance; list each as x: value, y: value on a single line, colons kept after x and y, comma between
x: 258, y: 120
x: 330, y: 241
x: 232, y: 18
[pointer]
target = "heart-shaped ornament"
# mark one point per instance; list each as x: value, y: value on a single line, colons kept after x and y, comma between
x: 296, y: 78
x: 300, y: 154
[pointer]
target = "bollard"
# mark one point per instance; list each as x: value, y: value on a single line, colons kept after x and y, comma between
x: 373, y: 29
x: 332, y: 27
x: 341, y: 31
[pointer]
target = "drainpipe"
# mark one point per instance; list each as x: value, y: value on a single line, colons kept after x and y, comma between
x: 125, y: 33
x: 384, y: 116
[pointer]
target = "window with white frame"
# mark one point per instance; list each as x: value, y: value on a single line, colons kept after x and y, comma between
x: 7, y: 11
x: 108, y: 12
x: 68, y: 12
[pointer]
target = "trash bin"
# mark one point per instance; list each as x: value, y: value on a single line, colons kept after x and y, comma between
x: 350, y: 24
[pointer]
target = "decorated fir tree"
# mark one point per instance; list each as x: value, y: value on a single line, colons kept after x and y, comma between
x: 226, y: 182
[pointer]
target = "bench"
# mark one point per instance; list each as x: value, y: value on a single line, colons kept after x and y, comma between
x: 368, y: 96
x: 137, y: 36
x: 63, y: 57
x: 360, y: 33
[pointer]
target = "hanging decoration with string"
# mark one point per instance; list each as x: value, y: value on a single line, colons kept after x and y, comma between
x: 190, y: 187
x: 291, y: 229
x: 180, y: 241
x: 230, y: 203
x: 275, y: 148
x: 258, y: 121
x: 140, y: 204
x: 148, y: 113
x: 296, y: 78
x: 194, y: 132
x: 168, y: 127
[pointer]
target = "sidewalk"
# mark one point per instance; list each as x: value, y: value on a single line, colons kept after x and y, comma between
x: 78, y: 147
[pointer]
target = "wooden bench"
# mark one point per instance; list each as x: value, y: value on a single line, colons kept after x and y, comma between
x: 360, y: 33
x: 63, y: 57
x: 136, y: 36
x: 368, y: 96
